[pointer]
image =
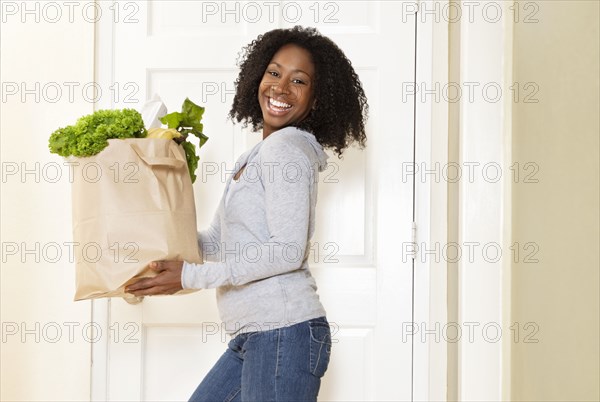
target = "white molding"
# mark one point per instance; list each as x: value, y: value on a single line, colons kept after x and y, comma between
x: 507, y: 213
x: 485, y: 50
x: 431, y: 214
x: 100, y: 308
x: 99, y: 374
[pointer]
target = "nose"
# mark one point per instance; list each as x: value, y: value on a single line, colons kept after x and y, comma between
x: 279, y: 88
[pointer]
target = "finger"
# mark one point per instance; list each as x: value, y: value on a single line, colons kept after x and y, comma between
x: 158, y: 266
x: 147, y: 291
x: 141, y: 284
x: 153, y: 291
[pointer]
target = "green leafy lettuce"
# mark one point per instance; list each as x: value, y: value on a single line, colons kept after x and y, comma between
x: 90, y: 134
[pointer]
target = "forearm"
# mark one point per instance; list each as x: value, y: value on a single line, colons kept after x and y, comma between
x: 245, y: 264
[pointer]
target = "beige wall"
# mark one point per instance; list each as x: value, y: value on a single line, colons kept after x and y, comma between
x: 44, y: 353
x: 560, y: 134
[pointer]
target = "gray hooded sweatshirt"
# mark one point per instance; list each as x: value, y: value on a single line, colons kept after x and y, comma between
x: 256, y: 249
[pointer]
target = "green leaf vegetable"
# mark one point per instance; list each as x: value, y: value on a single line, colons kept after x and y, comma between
x: 90, y: 133
x: 188, y: 121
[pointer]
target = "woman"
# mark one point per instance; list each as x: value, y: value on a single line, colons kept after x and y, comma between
x: 297, y: 87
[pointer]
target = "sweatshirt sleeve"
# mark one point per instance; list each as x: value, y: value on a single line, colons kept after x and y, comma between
x: 209, y: 240
x: 286, y: 177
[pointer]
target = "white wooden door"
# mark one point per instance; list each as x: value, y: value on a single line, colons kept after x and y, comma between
x: 161, y: 348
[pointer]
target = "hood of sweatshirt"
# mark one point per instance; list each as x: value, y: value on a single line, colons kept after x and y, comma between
x: 318, y: 148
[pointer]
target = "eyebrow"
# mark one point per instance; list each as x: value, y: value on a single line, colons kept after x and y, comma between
x: 297, y: 70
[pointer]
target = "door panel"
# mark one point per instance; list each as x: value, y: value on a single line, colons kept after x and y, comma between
x: 181, y: 49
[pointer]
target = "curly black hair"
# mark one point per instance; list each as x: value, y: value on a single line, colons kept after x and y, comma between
x: 341, y: 108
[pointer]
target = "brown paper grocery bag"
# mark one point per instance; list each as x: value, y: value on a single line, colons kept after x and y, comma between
x: 133, y: 203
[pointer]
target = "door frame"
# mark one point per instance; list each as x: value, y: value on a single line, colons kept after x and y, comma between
x: 485, y: 51
x: 100, y: 308
x: 431, y: 212
x: 430, y: 359
x: 481, y: 52
x: 482, y: 49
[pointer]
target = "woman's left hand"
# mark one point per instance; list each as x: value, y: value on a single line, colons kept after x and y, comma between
x: 167, y: 282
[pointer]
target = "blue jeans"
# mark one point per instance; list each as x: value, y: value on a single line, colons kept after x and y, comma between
x: 283, y: 364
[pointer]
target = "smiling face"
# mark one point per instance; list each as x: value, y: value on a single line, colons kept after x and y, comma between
x: 286, y: 90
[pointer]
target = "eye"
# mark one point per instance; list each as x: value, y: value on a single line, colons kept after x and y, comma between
x: 298, y: 81
x: 273, y: 73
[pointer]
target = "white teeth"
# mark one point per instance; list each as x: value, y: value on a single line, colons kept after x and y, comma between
x: 278, y: 104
